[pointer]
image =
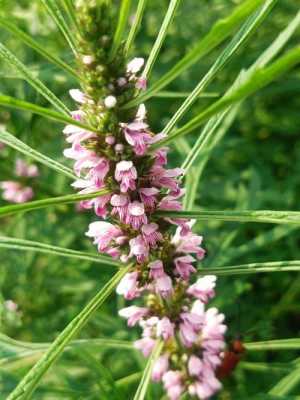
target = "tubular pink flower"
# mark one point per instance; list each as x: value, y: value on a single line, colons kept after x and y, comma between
x: 145, y: 345
x: 126, y: 174
x: 151, y: 234
x: 148, y: 197
x: 203, y: 289
x: 139, y: 249
x: 133, y: 314
x: 160, y: 367
x: 136, y: 216
x: 128, y: 286
x: 137, y: 136
x: 15, y: 192
x: 120, y: 206
x: 104, y: 234
x: 135, y: 65
x: 165, y: 328
x: 166, y: 178
x: 26, y: 170
x: 183, y: 266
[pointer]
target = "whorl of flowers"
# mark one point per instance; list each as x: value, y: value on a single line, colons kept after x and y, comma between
x: 20, y: 191
x: 119, y: 158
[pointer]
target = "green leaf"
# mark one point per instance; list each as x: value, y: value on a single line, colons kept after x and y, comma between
x: 217, y: 126
x: 25, y: 38
x: 51, y: 201
x: 136, y: 24
x: 273, y: 217
x: 70, y: 9
x: 260, y: 79
x: 20, y: 146
x: 238, y: 41
x: 286, y: 384
x: 31, y: 380
x: 160, y: 37
x: 121, y: 26
x: 7, y: 55
x: 178, y: 95
x: 254, y: 268
x: 266, y: 367
x: 280, y: 344
x: 44, y: 112
x: 54, y: 10
x: 221, y: 30
x: 142, y: 388
x: 28, y: 245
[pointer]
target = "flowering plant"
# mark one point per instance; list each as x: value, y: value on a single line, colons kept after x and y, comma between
x: 121, y: 173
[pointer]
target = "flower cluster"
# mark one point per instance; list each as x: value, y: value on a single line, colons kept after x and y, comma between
x: 20, y: 191
x: 117, y: 155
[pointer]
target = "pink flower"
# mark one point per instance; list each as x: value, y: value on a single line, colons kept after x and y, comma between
x: 120, y: 206
x: 76, y: 135
x: 195, y: 366
x: 184, y: 267
x: 203, y: 289
x: 166, y: 178
x: 126, y: 174
x: 128, y: 286
x: 145, y: 345
x: 160, y: 367
x: 135, y: 65
x: 161, y: 156
x: 172, y: 384
x: 99, y: 171
x: 136, y: 216
x: 104, y: 234
x: 26, y: 170
x: 15, y: 192
x: 188, y: 243
x: 78, y: 96
x: 165, y: 328
x: 136, y: 135
x: 133, y: 314
x: 170, y: 203
x: 151, y: 234
x: 156, y: 269
x: 188, y: 335
x: 163, y: 286
x: 148, y: 197
x: 139, y: 249
x: 11, y: 306
x: 141, y: 83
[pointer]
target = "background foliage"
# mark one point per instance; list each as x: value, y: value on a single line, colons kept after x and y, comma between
x: 256, y: 166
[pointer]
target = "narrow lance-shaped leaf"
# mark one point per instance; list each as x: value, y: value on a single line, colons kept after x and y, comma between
x: 69, y: 7
x: 211, y: 134
x: 220, y: 31
x: 142, y: 388
x: 286, y: 384
x: 254, y: 268
x: 279, y: 344
x: 54, y: 10
x: 27, y: 39
x: 121, y: 26
x: 31, y: 380
x: 28, y: 245
x: 51, y: 201
x: 7, y: 55
x: 136, y: 24
x: 260, y: 79
x: 20, y: 146
x: 252, y: 23
x: 44, y: 112
x: 273, y: 217
x: 161, y: 37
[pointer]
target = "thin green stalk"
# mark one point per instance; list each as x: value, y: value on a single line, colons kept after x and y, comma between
x: 29, y: 383
x: 136, y: 24
x: 160, y: 37
x: 52, y: 201
x: 280, y: 344
x: 121, y: 26
x: 28, y: 245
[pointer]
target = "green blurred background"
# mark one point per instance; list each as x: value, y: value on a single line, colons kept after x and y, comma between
x: 256, y: 166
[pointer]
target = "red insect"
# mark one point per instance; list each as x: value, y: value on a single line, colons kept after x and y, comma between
x: 232, y: 357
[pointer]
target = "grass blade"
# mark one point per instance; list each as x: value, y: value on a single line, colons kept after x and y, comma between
x: 280, y: 344
x: 7, y: 55
x: 31, y: 380
x: 160, y: 38
x: 20, y: 146
x: 28, y: 245
x: 55, y: 13
x: 142, y: 388
x: 70, y: 9
x: 51, y: 201
x: 272, y: 217
x: 136, y: 24
x: 220, y: 31
x: 254, y: 268
x: 238, y: 41
x: 121, y: 26
x: 44, y: 112
x: 26, y: 39
x: 286, y: 384
x: 257, y: 81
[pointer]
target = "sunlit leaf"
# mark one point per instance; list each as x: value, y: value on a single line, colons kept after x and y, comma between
x: 136, y: 24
